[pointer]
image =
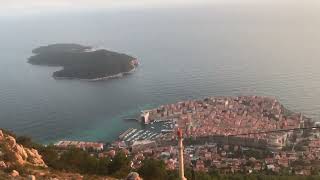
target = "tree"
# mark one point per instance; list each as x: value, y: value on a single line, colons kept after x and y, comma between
x: 173, y: 175
x: 103, y: 166
x: 79, y: 161
x: 203, y: 176
x: 50, y: 156
x: 153, y: 170
x: 25, y: 141
x: 119, y: 165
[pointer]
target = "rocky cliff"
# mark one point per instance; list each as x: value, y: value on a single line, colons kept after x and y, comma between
x: 19, y: 163
x: 13, y: 154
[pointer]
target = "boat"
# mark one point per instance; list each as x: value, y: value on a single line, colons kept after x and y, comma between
x: 166, y: 130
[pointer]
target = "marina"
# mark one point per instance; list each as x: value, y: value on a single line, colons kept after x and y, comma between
x: 135, y: 135
x: 150, y: 131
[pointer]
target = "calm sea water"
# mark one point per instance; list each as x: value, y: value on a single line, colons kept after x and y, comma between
x: 185, y: 53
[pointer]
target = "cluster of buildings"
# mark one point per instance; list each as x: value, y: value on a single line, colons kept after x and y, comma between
x: 244, y: 116
x: 301, y: 159
x: 236, y: 123
x: 80, y: 144
x: 229, y: 159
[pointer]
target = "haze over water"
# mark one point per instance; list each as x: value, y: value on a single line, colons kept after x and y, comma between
x: 185, y: 53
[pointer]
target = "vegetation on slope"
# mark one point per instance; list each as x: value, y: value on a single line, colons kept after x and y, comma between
x: 79, y: 161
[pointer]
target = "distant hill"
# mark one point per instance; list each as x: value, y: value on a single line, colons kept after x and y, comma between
x: 82, y: 62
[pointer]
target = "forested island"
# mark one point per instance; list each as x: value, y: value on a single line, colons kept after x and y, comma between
x: 83, y: 62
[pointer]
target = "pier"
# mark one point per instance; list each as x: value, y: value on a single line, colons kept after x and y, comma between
x: 125, y: 133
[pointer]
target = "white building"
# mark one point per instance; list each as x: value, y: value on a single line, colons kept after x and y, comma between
x: 145, y: 117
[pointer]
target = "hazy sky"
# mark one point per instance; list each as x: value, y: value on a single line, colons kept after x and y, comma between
x: 49, y: 5
x: 21, y: 7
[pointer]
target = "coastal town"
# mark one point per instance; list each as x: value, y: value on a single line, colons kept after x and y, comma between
x: 245, y: 134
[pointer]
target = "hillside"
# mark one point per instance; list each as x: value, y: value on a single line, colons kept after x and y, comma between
x: 19, y: 162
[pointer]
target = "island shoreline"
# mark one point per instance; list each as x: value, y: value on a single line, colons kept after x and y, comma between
x: 115, y: 76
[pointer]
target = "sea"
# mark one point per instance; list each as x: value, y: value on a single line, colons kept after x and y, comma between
x: 186, y: 52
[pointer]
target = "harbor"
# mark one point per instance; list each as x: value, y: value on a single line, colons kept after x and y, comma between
x: 151, y: 131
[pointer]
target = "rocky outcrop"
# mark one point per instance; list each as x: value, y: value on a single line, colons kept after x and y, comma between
x: 31, y: 177
x: 20, y: 163
x: 3, y: 165
x: 16, y: 154
x: 14, y: 173
x: 34, y: 157
x: 1, y: 135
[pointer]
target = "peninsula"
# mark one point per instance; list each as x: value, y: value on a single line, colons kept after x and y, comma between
x: 83, y: 62
x: 247, y: 118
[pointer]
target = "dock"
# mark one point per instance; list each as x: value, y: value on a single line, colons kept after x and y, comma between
x: 122, y: 136
x: 131, y: 135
